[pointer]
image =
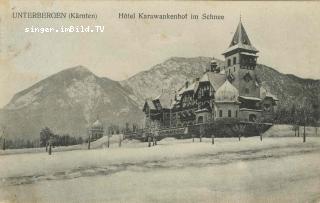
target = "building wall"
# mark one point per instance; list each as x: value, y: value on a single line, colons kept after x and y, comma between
x: 267, y: 109
x: 238, y: 71
x: 206, y: 117
x: 225, y: 107
x: 245, y: 114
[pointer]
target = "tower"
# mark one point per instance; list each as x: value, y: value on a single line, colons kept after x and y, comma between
x: 241, y: 59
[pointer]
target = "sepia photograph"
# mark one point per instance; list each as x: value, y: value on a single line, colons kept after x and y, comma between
x: 159, y: 101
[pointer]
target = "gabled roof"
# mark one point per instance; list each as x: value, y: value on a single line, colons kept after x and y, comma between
x: 265, y: 93
x: 150, y: 105
x: 215, y: 79
x: 241, y: 40
x: 165, y: 99
x: 191, y: 87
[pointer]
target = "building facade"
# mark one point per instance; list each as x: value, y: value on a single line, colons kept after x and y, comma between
x: 232, y: 91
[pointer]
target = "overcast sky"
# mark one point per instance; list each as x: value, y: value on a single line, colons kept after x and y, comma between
x: 287, y: 34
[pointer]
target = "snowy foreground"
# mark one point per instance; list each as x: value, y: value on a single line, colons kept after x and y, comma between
x: 274, y: 170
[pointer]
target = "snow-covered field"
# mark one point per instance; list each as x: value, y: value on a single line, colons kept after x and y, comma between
x: 274, y: 170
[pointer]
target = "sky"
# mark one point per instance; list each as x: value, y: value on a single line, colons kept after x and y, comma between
x: 285, y: 33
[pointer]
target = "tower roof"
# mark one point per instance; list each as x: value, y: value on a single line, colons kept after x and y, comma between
x: 241, y: 40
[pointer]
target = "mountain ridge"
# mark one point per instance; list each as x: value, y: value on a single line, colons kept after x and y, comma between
x: 70, y: 100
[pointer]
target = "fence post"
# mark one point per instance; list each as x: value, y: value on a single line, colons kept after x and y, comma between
x: 149, y: 141
x: 212, y: 136
x: 304, y: 133
x: 120, y: 140
x: 89, y: 142
x: 49, y: 149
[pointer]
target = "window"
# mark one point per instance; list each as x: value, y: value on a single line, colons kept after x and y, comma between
x: 220, y: 113
x: 234, y: 69
x: 229, y: 62
x: 229, y: 113
x: 234, y: 60
x: 246, y: 90
x: 252, y: 117
x: 236, y: 113
x: 200, y: 119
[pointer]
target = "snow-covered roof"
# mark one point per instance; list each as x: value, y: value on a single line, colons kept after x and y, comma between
x: 165, y: 99
x: 251, y: 98
x: 97, y: 124
x: 215, y: 79
x: 227, y: 93
x: 241, y: 40
x: 248, y: 54
x: 191, y: 87
x: 265, y: 93
x: 150, y: 104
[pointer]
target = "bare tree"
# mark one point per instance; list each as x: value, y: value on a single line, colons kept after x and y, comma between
x: 3, y: 136
x: 239, y: 129
x: 201, y: 131
x: 212, y: 138
x: 89, y: 138
x: 120, y: 140
x: 259, y: 127
x: 306, y: 116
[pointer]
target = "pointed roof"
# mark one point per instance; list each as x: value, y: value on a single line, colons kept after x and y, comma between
x: 165, y: 99
x: 192, y: 87
x: 150, y: 104
x: 227, y: 93
x: 241, y: 40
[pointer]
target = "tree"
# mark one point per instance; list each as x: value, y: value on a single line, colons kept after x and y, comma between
x: 294, y: 119
x: 3, y: 136
x: 45, y: 135
x: 316, y: 113
x: 239, y: 128
x: 259, y: 127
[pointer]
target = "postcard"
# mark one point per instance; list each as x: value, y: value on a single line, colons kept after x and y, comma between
x: 159, y: 101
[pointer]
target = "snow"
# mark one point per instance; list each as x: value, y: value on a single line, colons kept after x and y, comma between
x: 85, y: 90
x: 26, y: 99
x: 274, y: 170
x: 287, y: 131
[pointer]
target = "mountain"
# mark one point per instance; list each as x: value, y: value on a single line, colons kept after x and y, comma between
x: 72, y: 99
x: 68, y: 102
x: 173, y: 73
x: 169, y: 75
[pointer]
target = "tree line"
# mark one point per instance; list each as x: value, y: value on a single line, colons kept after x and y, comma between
x: 47, y: 136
